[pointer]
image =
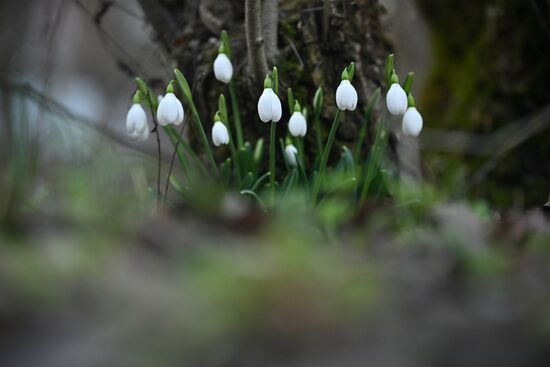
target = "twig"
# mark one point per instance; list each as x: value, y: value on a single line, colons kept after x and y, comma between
x: 159, y: 152
x: 257, y: 60
x: 56, y: 108
x: 173, y: 158
x: 270, y: 18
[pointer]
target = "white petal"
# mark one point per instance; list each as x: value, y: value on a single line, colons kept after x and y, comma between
x: 290, y: 153
x: 396, y: 100
x: 276, y: 108
x: 144, y: 134
x: 346, y: 96
x: 297, y: 125
x: 134, y: 135
x: 412, y: 122
x: 220, y: 135
x: 264, y: 105
x: 223, y: 69
x: 169, y: 110
x: 181, y: 114
x: 136, y: 118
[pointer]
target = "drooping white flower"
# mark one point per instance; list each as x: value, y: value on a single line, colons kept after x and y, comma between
x: 220, y: 134
x: 297, y: 124
x: 346, y: 96
x: 291, y: 152
x: 412, y: 122
x: 223, y: 69
x: 170, y: 110
x: 136, y: 123
x: 396, y: 100
x: 269, y: 105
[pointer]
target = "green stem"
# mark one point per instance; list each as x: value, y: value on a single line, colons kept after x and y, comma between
x: 204, y: 139
x: 236, y: 114
x: 376, y: 151
x: 301, y: 161
x: 272, y: 160
x: 234, y: 155
x: 319, y: 139
x: 326, y: 153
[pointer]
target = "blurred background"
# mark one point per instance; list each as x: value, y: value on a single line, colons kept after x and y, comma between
x: 90, y: 276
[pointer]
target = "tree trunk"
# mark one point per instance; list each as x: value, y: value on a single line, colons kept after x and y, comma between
x: 314, y: 41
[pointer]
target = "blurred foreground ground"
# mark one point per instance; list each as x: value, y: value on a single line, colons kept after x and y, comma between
x: 94, y: 278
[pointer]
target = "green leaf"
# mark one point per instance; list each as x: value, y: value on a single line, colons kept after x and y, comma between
x: 225, y: 40
x: 366, y: 120
x: 184, y: 86
x: 290, y: 182
x: 407, y: 85
x: 225, y: 170
x: 222, y: 107
x: 348, y: 161
x: 174, y: 136
x: 290, y: 101
x: 275, y: 79
x: 246, y: 159
x: 389, y: 68
x: 318, y: 101
x: 259, y: 151
x: 176, y: 184
x: 351, y: 71
x: 142, y: 86
x: 260, y: 182
x: 255, y: 197
x: 247, y: 181
x: 148, y: 95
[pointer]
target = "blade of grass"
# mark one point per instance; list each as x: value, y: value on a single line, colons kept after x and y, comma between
x: 326, y: 153
x: 366, y: 120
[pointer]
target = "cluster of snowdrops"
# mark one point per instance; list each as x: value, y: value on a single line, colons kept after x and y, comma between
x: 169, y: 111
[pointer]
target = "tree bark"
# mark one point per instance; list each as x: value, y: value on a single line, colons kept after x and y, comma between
x: 313, y: 41
x: 257, y: 61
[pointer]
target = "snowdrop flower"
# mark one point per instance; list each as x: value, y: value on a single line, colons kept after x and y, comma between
x: 269, y: 105
x: 223, y: 69
x: 136, y: 121
x: 412, y: 122
x: 346, y: 95
x: 291, y: 152
x: 297, y: 124
x: 396, y: 99
x: 220, y: 134
x: 170, y: 109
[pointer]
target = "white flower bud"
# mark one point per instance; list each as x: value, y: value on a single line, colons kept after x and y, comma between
x: 136, y: 123
x: 396, y: 100
x: 346, y: 96
x: 269, y: 106
x: 220, y: 135
x: 412, y: 122
x: 291, y: 152
x: 297, y: 125
x: 223, y: 69
x: 170, y: 110
x: 143, y: 134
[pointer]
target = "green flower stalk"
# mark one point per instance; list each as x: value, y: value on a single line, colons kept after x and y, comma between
x: 184, y: 86
x: 346, y: 99
x: 270, y: 109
